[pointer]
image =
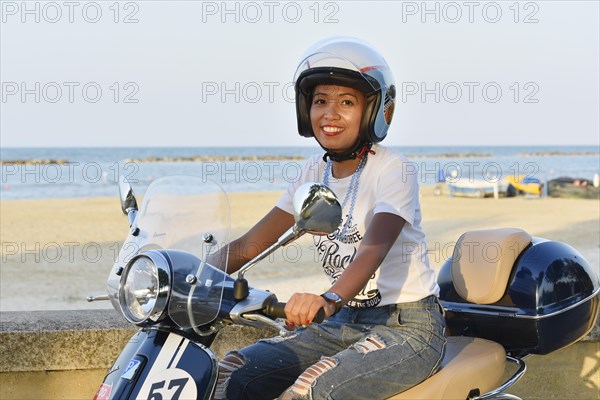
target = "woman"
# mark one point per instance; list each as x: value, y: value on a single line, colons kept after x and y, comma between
x: 385, y: 328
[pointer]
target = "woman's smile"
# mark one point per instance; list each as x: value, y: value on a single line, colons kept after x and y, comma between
x: 330, y: 130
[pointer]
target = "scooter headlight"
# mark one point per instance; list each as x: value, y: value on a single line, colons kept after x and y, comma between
x: 144, y: 290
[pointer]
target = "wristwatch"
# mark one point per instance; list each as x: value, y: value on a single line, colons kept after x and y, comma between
x: 334, y: 299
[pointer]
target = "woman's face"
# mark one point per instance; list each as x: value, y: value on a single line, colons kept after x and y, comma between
x: 335, y: 116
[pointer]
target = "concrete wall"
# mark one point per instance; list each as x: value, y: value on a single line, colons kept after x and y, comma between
x: 65, y: 354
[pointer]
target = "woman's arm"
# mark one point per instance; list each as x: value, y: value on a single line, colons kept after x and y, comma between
x: 256, y: 240
x: 379, y: 238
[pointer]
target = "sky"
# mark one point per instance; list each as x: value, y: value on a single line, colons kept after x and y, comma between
x: 192, y: 73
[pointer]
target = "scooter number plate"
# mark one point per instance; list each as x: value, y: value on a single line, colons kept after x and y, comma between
x: 172, y: 383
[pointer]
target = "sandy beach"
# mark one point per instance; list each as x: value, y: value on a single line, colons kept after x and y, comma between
x: 55, y: 252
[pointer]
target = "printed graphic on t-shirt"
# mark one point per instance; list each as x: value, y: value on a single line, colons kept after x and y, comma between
x: 351, y: 233
x: 367, y: 297
x: 336, y: 254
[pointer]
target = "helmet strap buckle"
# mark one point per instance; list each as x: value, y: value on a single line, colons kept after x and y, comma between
x: 358, y: 152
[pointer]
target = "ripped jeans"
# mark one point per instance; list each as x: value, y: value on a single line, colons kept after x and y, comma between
x: 356, y: 354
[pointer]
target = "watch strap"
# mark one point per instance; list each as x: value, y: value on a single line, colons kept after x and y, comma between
x: 335, y: 299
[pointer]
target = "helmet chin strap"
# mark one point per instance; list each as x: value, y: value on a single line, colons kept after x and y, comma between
x: 358, y: 151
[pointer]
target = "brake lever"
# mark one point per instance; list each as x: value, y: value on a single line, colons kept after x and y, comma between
x: 268, y: 321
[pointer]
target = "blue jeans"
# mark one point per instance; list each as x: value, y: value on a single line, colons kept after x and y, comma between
x: 356, y: 354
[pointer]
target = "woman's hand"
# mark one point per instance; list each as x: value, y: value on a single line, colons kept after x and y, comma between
x: 301, y: 308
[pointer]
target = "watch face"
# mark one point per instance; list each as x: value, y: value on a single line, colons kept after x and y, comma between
x: 330, y: 296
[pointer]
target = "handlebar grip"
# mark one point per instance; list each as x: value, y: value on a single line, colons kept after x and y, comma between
x: 320, y: 317
x: 276, y: 309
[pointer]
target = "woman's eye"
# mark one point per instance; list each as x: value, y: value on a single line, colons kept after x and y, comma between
x: 347, y: 102
x: 318, y: 101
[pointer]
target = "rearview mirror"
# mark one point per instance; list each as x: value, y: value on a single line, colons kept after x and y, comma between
x: 316, y: 210
x: 128, y: 201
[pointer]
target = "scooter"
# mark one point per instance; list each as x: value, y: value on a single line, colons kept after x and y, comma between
x: 532, y: 296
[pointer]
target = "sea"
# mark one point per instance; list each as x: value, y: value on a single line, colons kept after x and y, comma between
x: 38, y: 173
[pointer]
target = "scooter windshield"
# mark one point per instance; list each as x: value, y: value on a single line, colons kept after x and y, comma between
x: 189, y: 218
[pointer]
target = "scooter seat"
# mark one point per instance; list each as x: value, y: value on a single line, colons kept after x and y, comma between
x: 469, y: 363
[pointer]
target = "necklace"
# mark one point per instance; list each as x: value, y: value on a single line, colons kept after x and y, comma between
x: 350, y: 193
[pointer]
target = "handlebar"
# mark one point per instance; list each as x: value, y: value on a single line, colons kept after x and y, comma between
x: 275, y: 309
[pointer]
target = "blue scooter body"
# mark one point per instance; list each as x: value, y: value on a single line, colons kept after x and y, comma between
x: 158, y: 365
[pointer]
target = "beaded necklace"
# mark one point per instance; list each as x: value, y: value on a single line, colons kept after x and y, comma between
x: 350, y: 193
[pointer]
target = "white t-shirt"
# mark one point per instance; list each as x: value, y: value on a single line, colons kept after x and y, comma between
x: 388, y: 184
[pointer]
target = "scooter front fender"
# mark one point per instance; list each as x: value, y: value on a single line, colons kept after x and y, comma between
x: 157, y: 365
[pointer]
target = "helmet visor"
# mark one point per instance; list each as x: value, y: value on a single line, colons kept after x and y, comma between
x: 326, y: 68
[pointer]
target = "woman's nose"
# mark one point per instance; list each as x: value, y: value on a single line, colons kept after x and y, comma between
x: 331, y: 111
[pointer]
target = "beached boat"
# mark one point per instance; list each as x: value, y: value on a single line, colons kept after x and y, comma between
x: 573, y: 187
x: 478, y: 188
x: 526, y: 185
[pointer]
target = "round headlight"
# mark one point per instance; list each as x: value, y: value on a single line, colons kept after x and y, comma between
x: 144, y: 288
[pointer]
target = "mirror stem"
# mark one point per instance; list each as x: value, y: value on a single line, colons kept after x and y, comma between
x: 287, y: 237
x: 131, y: 214
x: 96, y: 298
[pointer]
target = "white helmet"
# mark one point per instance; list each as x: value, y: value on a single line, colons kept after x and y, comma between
x: 347, y: 61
